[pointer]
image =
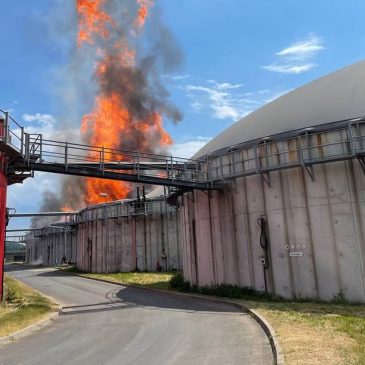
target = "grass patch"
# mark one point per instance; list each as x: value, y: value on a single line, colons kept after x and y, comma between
x: 317, y: 333
x: 156, y: 280
x: 21, y: 307
x: 309, y: 332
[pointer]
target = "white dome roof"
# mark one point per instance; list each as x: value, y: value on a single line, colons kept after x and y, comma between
x: 337, y: 96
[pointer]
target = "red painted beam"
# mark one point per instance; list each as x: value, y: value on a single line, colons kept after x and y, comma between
x: 3, y: 188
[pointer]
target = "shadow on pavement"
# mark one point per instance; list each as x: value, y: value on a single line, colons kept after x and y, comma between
x: 128, y: 297
x: 174, y: 301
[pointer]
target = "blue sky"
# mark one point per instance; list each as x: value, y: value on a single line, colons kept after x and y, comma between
x: 238, y: 55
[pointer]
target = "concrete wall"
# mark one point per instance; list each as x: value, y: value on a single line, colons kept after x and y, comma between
x: 48, y: 246
x: 114, y: 237
x: 130, y: 243
x: 315, y: 229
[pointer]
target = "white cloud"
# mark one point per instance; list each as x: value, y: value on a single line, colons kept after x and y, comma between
x: 226, y: 100
x: 225, y: 85
x: 223, y: 99
x: 289, y: 69
x: 188, y: 148
x: 304, y: 49
x: 197, y: 106
x: 45, y: 120
x: 179, y: 77
x: 259, y: 92
x: 294, y: 59
x: 226, y: 112
x: 47, y: 125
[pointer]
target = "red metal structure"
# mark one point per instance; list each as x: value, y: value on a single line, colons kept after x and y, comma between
x: 3, y: 188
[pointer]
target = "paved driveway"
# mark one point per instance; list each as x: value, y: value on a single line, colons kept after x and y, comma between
x: 108, y: 324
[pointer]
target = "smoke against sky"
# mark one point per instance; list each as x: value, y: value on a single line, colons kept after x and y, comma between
x: 119, y: 66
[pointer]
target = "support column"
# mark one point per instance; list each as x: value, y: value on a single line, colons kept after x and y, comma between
x: 3, y: 188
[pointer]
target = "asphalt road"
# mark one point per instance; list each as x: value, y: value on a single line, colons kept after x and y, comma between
x: 106, y: 324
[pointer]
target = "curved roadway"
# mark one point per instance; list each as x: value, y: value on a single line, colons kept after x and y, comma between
x: 107, y: 324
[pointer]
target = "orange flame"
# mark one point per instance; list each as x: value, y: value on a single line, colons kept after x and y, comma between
x: 92, y: 20
x: 143, y: 10
x: 111, y: 124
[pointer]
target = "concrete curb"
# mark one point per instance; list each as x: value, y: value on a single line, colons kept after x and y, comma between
x: 35, y: 326
x: 28, y: 330
x: 264, y: 324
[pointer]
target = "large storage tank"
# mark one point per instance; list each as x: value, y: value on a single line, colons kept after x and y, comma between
x: 294, y: 182
x: 127, y: 235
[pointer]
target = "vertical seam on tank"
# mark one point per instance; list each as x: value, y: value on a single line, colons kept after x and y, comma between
x: 212, y: 246
x: 314, y: 262
x: 290, y: 266
x: 249, y: 234
x: 338, y: 274
x: 355, y: 206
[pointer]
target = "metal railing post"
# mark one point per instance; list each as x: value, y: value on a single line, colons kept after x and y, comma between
x: 6, y: 127
x: 300, y: 151
x: 40, y: 146
x: 352, y: 140
x: 102, y: 156
x: 257, y: 161
x: 66, y: 159
x: 172, y: 170
x: 137, y: 165
x: 22, y: 141
x: 26, y: 146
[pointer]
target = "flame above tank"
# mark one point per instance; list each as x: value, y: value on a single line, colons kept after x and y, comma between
x: 121, y: 117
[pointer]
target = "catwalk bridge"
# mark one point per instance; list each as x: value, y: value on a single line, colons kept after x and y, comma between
x: 330, y: 142
x: 32, y: 152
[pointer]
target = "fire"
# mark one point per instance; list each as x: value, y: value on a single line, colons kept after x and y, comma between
x: 92, y: 20
x: 113, y: 123
x: 144, y: 5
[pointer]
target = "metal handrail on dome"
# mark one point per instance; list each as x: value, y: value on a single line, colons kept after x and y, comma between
x: 305, y: 149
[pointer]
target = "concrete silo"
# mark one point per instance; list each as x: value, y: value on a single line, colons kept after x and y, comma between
x: 125, y: 235
x: 290, y: 218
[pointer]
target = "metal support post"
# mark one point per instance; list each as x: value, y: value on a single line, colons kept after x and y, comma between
x: 66, y: 153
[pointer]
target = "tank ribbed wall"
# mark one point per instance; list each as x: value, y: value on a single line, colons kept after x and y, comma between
x: 320, y: 220
x: 115, y: 237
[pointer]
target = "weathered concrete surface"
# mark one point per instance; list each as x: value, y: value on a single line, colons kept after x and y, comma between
x: 114, y: 237
x: 106, y: 324
x: 315, y: 231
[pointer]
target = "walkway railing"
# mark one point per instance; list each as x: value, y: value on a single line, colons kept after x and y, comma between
x: 40, y: 154
x: 336, y: 141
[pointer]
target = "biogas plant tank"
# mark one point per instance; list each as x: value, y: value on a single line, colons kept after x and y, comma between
x: 288, y: 219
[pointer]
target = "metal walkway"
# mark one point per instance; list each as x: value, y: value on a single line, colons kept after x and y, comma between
x: 330, y: 142
x: 31, y: 152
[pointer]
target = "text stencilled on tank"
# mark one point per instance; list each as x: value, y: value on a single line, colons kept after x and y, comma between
x: 296, y: 250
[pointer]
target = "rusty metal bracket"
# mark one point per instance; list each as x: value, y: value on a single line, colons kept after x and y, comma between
x: 361, y: 160
x: 310, y: 171
x: 267, y: 178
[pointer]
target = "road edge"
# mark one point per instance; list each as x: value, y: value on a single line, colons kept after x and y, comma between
x: 28, y: 330
x: 35, y: 326
x: 263, y: 323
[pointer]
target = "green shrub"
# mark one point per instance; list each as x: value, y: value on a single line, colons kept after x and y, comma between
x: 178, y: 282
x: 220, y: 290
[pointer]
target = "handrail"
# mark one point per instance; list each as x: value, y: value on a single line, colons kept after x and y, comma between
x: 340, y: 141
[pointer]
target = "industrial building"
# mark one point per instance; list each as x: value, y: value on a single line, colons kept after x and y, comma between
x: 121, y: 236
x: 288, y: 217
